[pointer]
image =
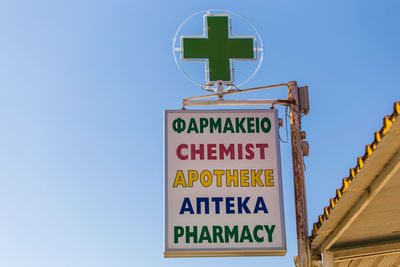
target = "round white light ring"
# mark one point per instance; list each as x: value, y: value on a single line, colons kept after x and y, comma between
x: 208, y: 11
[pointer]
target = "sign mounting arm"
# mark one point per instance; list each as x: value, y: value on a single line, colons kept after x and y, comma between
x: 193, y: 101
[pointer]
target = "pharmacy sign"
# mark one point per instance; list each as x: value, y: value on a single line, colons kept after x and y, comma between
x: 223, y: 189
x: 217, y: 48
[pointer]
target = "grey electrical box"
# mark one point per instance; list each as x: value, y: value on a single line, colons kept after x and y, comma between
x: 304, y: 101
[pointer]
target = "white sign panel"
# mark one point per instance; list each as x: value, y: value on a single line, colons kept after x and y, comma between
x: 223, y: 188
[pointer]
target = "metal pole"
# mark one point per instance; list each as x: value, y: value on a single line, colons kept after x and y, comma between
x: 298, y: 177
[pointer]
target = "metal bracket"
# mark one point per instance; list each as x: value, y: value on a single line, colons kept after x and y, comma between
x: 194, y: 100
x: 220, y: 90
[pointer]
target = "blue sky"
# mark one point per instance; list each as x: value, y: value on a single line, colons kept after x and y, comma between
x: 83, y: 86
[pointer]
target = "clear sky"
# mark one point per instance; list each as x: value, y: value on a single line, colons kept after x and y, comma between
x: 83, y: 86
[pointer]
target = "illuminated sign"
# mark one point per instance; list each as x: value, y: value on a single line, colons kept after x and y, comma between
x: 231, y: 54
x: 217, y: 48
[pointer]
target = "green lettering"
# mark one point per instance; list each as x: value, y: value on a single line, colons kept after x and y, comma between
x: 191, y: 234
x: 231, y: 234
x: 192, y: 126
x: 250, y: 125
x: 203, y: 124
x: 269, y: 231
x: 263, y: 128
x: 178, y: 232
x: 215, y: 125
x: 239, y: 125
x: 217, y: 233
x: 255, y: 233
x: 246, y: 234
x: 257, y: 125
x: 205, y: 235
x: 228, y: 126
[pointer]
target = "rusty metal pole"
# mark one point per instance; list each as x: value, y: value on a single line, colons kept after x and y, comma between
x: 298, y: 177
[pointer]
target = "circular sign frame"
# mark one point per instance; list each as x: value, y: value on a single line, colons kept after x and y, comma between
x: 212, y: 85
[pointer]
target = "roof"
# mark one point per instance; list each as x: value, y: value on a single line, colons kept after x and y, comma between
x: 366, y: 209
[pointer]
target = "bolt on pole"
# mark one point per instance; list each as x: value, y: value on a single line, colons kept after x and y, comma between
x: 298, y: 178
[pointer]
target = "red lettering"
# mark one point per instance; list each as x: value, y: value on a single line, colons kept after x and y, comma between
x: 224, y: 151
x: 194, y: 151
x: 221, y: 151
x: 249, y: 149
x: 179, y: 151
x: 262, y: 147
x: 211, y: 151
x: 240, y: 152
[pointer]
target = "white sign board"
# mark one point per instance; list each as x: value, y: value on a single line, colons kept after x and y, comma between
x: 223, y: 188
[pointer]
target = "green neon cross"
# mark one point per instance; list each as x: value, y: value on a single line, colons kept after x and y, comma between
x: 218, y: 48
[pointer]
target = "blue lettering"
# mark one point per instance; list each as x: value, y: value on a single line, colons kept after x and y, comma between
x: 217, y: 200
x: 260, y: 205
x: 243, y: 205
x: 229, y: 205
x: 206, y: 205
x: 186, y: 206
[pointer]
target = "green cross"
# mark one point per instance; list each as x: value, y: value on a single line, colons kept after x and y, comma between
x: 218, y: 48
